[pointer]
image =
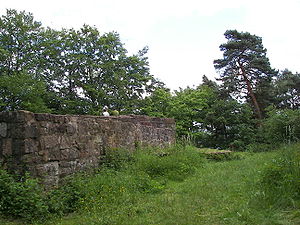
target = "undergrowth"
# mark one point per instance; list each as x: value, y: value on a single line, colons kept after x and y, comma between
x: 164, y: 186
x: 279, y: 186
x: 122, y: 175
x: 23, y: 199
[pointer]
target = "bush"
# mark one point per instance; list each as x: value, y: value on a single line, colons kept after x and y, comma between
x: 173, y: 164
x: 280, y: 183
x: 24, y: 199
x: 67, y: 198
x: 123, y: 175
x: 282, y: 126
x: 117, y: 158
x: 260, y: 147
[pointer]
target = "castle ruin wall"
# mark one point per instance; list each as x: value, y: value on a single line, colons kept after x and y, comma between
x: 52, y: 146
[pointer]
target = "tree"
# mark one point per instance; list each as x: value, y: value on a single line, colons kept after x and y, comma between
x: 158, y: 103
x: 20, y: 38
x: 245, y: 70
x: 282, y: 126
x: 225, y: 123
x: 82, y: 70
x: 287, y: 88
x: 185, y: 107
x: 19, y: 91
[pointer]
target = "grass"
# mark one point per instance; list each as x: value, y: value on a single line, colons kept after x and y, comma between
x: 177, y: 188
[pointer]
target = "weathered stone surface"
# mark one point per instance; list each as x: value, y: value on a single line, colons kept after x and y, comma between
x: 6, y: 147
x: 50, y: 172
x: 3, y: 129
x: 30, y: 146
x: 53, y: 146
x: 31, y: 131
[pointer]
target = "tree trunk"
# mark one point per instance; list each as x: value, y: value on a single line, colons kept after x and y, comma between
x: 250, y: 92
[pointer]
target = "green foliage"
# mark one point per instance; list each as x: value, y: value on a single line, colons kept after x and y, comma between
x: 173, y: 164
x: 221, y: 155
x: 287, y: 92
x: 205, y: 115
x: 23, y: 199
x: 282, y: 126
x: 81, y: 69
x: 185, y: 108
x: 20, y: 43
x: 117, y: 158
x: 245, y: 69
x: 20, y: 91
x: 228, y: 123
x: 214, y: 193
x: 218, y: 193
x: 115, y: 113
x: 67, y: 197
x: 158, y: 104
x: 122, y: 175
x: 279, y: 128
x: 260, y: 147
x: 280, y: 182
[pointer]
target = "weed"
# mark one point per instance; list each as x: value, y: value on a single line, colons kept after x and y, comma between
x: 23, y: 199
x: 280, y: 183
x: 177, y: 186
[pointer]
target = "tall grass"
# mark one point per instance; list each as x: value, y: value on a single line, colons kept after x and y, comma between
x: 178, y: 186
x: 280, y: 184
x: 122, y: 177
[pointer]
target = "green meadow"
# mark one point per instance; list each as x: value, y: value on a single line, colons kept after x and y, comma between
x: 179, y: 185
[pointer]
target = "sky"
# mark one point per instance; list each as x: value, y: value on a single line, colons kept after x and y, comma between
x: 183, y: 36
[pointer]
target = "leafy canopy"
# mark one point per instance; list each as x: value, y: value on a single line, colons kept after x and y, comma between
x: 245, y: 70
x: 83, y: 70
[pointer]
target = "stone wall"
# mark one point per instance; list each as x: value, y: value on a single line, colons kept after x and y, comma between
x: 53, y: 146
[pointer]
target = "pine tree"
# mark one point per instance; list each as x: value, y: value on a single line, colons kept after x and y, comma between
x: 245, y: 69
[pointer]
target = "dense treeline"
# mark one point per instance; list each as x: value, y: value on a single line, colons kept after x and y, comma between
x: 72, y: 71
x: 68, y: 71
x: 252, y: 106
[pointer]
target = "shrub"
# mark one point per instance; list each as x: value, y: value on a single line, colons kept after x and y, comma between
x: 282, y: 126
x: 260, y: 147
x: 117, y: 158
x: 24, y: 199
x: 280, y: 183
x: 143, y: 183
x: 123, y: 175
x: 174, y: 164
x: 67, y: 197
x: 115, y: 113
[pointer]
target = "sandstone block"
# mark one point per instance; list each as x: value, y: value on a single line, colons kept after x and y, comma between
x: 3, y: 129
x: 30, y: 146
x: 31, y: 131
x: 6, y: 147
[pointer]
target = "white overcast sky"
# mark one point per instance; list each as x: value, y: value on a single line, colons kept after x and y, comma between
x: 183, y: 36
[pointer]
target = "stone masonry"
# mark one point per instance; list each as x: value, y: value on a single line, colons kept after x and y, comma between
x: 52, y: 146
